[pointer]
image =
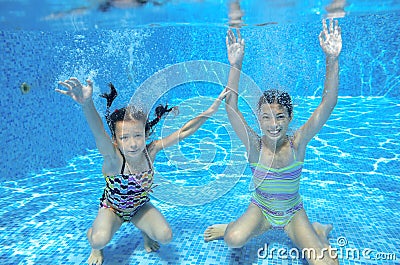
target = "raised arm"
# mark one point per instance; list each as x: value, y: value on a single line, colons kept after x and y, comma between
x: 190, y: 127
x: 83, y: 95
x: 235, y: 49
x: 331, y: 44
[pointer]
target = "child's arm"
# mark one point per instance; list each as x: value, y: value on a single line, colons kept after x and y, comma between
x: 331, y: 43
x: 250, y: 139
x: 190, y: 127
x: 83, y: 95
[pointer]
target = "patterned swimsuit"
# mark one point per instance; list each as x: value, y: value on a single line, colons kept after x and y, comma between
x: 277, y: 191
x: 125, y: 194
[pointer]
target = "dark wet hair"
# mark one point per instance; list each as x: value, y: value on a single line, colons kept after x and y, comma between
x: 131, y: 113
x: 107, y: 5
x: 276, y: 96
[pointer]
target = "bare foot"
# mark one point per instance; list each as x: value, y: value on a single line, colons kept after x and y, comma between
x: 322, y: 231
x: 214, y: 232
x: 96, y: 257
x: 150, y: 245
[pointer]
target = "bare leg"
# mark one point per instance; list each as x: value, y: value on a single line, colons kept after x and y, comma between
x: 305, y: 236
x: 217, y: 231
x: 154, y: 227
x: 252, y: 223
x: 214, y: 232
x: 322, y: 231
x: 103, y: 229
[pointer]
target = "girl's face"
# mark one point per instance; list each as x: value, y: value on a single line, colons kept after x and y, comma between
x: 274, y: 120
x: 130, y: 137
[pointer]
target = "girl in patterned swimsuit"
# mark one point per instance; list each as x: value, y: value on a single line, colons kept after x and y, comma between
x: 128, y: 167
x: 277, y: 159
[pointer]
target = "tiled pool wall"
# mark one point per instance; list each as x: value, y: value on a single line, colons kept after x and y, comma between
x: 43, y: 129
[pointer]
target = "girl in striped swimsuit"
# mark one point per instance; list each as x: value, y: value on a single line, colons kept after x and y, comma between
x: 128, y: 167
x: 276, y: 159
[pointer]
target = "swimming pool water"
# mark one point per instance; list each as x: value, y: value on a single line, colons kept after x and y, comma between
x: 350, y: 180
x: 51, y: 171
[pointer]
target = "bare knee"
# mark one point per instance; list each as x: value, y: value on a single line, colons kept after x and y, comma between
x: 234, y: 238
x: 164, y: 236
x: 98, y: 239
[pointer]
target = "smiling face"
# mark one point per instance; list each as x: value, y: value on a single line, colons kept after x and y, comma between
x: 130, y: 137
x: 274, y: 120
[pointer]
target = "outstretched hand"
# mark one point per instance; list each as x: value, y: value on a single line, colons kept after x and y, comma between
x: 331, y: 40
x: 76, y: 90
x: 214, y: 107
x: 235, y: 48
x: 223, y: 94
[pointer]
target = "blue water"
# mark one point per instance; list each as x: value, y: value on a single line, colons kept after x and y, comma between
x: 51, y: 170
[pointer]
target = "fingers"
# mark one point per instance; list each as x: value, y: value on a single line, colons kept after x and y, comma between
x: 73, y: 81
x: 70, y: 83
x: 240, y: 40
x: 338, y: 30
x: 324, y: 27
x: 333, y: 27
x: 230, y: 37
x: 61, y: 91
x: 331, y: 39
x: 223, y: 94
x: 65, y: 84
x: 239, y: 35
x: 334, y: 30
x: 321, y: 38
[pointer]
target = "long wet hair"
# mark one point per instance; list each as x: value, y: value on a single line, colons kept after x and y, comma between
x: 276, y: 96
x: 107, y: 5
x: 131, y: 113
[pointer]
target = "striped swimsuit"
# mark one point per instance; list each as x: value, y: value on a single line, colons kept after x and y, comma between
x: 277, y: 191
x: 125, y: 194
